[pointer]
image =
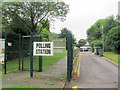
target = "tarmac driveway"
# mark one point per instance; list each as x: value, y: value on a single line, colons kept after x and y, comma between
x: 96, y: 72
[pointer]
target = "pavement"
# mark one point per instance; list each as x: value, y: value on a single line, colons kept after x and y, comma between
x: 96, y: 72
x: 56, y: 71
x: 53, y: 77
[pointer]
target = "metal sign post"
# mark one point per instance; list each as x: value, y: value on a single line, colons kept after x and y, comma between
x: 31, y: 54
x: 22, y: 52
x: 40, y: 59
x: 19, y: 50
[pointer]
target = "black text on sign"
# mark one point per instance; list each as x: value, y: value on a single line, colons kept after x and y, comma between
x: 43, y: 48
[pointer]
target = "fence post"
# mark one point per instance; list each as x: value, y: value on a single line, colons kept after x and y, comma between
x: 31, y: 54
x: 71, y: 57
x: 5, y: 58
x: 40, y: 58
x: 68, y: 56
x: 22, y: 52
x: 19, y: 49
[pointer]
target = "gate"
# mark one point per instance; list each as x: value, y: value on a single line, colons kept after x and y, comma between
x: 24, y: 60
x: 12, y: 53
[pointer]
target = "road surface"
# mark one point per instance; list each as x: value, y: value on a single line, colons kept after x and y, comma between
x: 96, y: 72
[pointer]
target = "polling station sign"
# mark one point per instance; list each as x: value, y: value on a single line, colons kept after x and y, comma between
x: 42, y: 48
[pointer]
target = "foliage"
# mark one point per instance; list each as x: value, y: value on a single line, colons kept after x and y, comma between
x: 64, y: 33
x: 81, y: 42
x: 44, y: 24
x: 109, y: 23
x: 95, y: 31
x: 45, y: 35
x: 54, y: 35
x: 96, y: 43
x: 26, y: 17
x: 34, y: 11
x: 96, y: 34
x: 112, y: 41
x: 43, y: 30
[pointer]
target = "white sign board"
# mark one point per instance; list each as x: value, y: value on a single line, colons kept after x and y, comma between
x: 43, y: 49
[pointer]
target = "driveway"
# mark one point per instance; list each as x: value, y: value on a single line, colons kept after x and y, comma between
x: 96, y: 72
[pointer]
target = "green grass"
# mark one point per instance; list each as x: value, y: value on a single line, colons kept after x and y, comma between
x: 24, y: 87
x: 47, y: 61
x: 112, y: 56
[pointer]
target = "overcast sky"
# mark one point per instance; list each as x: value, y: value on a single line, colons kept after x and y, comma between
x: 83, y: 14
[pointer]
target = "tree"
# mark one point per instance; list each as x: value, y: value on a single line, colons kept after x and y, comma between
x: 96, y: 43
x: 95, y: 32
x: 45, y: 35
x: 81, y: 42
x: 112, y: 42
x: 109, y: 23
x: 54, y: 35
x: 64, y: 33
x: 36, y: 12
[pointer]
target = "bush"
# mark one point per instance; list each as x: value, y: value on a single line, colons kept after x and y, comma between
x: 112, y: 41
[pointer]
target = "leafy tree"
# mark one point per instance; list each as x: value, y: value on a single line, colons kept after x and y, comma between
x: 64, y: 33
x: 45, y: 35
x: 43, y: 30
x: 109, y: 23
x: 36, y: 12
x: 18, y: 26
x: 95, y: 32
x: 81, y: 42
x: 55, y: 35
x: 112, y: 41
x: 96, y: 43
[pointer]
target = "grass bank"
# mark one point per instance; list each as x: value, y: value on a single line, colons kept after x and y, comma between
x: 47, y: 61
x: 112, y: 56
x: 25, y: 87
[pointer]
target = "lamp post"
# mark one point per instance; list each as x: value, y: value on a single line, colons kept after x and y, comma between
x: 102, y: 39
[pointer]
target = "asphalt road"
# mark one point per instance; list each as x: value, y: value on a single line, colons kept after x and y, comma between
x: 96, y: 72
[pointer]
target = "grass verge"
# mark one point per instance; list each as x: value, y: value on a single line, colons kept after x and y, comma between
x: 47, y: 61
x: 25, y: 87
x: 113, y: 56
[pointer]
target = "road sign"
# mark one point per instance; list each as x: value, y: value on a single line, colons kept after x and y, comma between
x: 42, y: 48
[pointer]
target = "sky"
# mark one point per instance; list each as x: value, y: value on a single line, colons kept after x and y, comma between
x: 83, y: 14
